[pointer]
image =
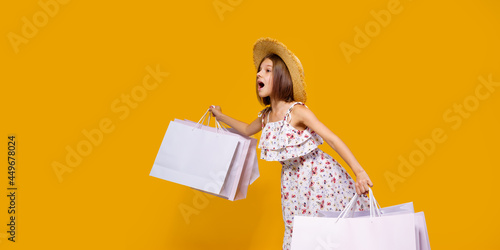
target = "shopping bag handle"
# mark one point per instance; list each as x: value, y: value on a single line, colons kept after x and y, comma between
x: 221, y: 123
x: 374, y: 206
x: 218, y: 126
x: 217, y: 122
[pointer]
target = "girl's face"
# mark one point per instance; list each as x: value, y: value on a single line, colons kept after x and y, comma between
x: 265, y: 78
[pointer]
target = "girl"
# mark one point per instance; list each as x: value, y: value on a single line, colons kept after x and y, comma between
x: 311, y: 180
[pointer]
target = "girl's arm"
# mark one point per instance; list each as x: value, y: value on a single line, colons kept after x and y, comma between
x: 307, y: 117
x: 241, y: 127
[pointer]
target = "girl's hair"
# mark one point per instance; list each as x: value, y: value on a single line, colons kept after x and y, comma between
x: 282, y: 82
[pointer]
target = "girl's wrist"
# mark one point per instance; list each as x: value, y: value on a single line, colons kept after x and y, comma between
x: 359, y: 172
x: 221, y: 117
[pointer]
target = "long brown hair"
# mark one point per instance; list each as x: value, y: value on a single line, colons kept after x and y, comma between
x: 282, y: 82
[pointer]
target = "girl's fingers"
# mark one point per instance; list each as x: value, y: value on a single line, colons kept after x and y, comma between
x: 363, y: 186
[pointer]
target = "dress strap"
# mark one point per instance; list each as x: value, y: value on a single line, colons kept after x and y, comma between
x: 263, y: 113
x: 262, y: 119
x: 289, y: 112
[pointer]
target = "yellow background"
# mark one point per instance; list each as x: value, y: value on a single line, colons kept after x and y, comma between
x: 395, y: 91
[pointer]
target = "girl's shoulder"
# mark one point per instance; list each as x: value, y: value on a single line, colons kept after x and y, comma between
x: 299, y: 112
x: 298, y: 104
x: 298, y: 107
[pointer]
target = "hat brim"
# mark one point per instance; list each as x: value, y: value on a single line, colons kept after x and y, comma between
x: 264, y: 46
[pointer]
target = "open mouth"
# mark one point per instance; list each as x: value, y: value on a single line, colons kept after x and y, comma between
x: 261, y: 85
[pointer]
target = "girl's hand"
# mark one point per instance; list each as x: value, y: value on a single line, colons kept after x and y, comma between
x: 363, y: 182
x: 216, y: 111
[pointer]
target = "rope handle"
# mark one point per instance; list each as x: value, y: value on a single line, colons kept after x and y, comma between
x: 349, y: 209
x: 218, y: 126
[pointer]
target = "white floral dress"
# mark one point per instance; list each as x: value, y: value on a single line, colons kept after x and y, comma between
x: 311, y: 180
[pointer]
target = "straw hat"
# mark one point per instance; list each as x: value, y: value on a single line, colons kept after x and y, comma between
x: 266, y: 45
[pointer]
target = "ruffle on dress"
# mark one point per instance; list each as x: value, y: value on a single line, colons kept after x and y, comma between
x: 281, y: 142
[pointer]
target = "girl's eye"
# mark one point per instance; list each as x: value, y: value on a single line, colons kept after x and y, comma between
x: 268, y: 70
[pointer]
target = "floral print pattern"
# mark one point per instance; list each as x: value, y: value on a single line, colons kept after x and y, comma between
x: 311, y: 180
x: 282, y: 141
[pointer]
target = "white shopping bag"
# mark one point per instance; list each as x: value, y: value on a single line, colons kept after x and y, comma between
x: 395, y: 232
x: 376, y: 232
x: 421, y: 234
x: 195, y: 157
x: 237, y: 181
x: 250, y: 169
x: 404, y: 208
x: 423, y: 242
